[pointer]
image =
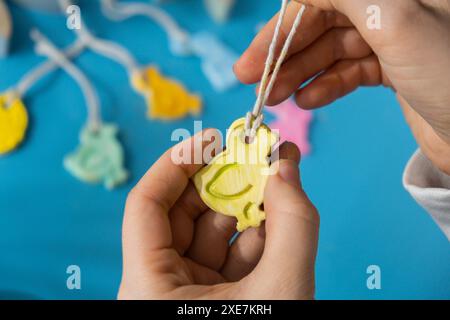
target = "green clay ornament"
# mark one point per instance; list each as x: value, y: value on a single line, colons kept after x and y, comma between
x: 99, y: 158
x: 233, y: 183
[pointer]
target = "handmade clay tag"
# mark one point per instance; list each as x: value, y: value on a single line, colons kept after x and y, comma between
x: 217, y: 60
x: 167, y: 99
x: 99, y: 158
x: 233, y: 183
x: 13, y: 122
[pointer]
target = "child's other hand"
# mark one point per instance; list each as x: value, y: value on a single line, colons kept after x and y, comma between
x: 410, y: 53
x: 174, y: 247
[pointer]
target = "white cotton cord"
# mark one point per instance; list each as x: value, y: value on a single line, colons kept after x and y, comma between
x: 250, y: 123
x: 284, y: 52
x: 105, y: 48
x: 255, y: 118
x: 35, y: 74
x: 269, y: 61
x: 45, y: 47
x: 110, y: 50
x: 122, y: 11
x: 11, y: 96
x: 254, y: 124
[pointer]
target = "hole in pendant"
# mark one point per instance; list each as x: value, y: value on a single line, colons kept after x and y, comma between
x: 9, y: 102
x: 95, y: 131
x: 248, y: 139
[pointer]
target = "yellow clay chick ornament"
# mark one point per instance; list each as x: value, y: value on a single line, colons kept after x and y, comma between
x: 167, y: 99
x: 233, y: 183
x: 13, y: 122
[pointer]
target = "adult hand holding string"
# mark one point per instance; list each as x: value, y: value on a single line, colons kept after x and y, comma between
x: 410, y: 54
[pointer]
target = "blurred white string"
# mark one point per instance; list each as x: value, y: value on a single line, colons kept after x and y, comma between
x: 122, y: 11
x: 255, y: 118
x: 45, y: 47
x: 103, y: 47
x: 35, y: 74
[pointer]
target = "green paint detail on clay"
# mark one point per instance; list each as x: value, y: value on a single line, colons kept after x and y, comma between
x: 210, y: 187
x: 233, y: 182
x: 99, y: 158
x: 246, y: 210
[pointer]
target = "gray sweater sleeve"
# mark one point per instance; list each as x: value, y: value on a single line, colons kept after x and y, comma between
x: 430, y: 188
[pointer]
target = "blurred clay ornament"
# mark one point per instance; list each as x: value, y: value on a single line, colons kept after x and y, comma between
x: 217, y: 60
x: 216, y: 57
x: 167, y: 99
x: 293, y: 124
x: 13, y: 122
x: 219, y: 10
x: 99, y: 158
x: 5, y: 28
x: 233, y: 183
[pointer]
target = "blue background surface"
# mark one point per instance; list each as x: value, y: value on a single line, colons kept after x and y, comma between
x: 49, y: 220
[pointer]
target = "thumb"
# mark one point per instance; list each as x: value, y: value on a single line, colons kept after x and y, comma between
x: 292, y: 228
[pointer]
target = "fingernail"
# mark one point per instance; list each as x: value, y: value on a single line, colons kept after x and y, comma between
x: 289, y: 172
x: 290, y: 151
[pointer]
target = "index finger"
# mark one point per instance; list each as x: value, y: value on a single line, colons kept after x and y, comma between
x: 250, y: 66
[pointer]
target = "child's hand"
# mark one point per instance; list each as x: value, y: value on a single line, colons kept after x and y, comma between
x: 410, y: 53
x: 174, y: 247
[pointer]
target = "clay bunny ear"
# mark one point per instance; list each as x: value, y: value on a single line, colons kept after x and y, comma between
x: 258, y: 150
